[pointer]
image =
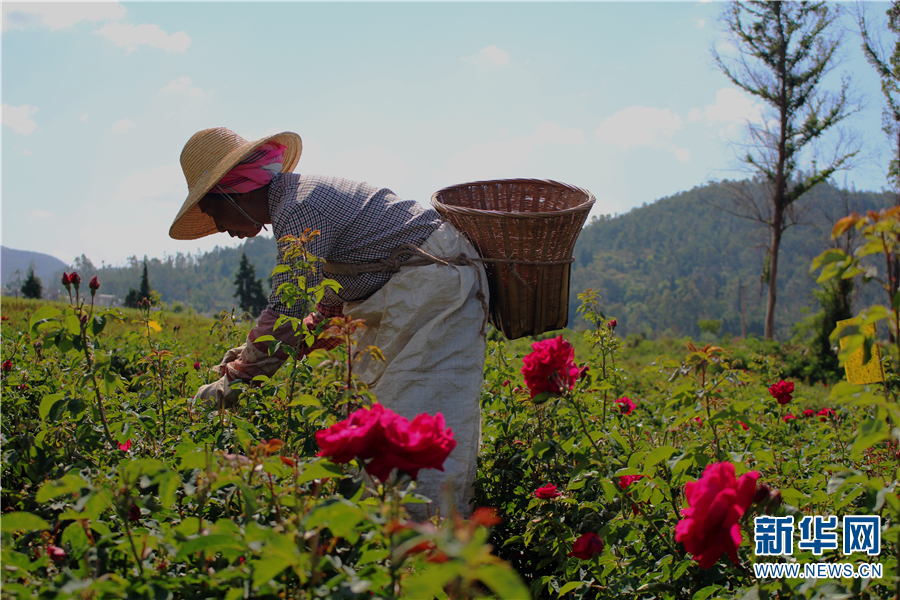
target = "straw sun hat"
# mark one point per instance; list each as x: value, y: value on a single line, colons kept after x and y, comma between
x: 206, y: 158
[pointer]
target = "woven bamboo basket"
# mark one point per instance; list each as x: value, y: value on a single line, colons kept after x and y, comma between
x: 532, y: 225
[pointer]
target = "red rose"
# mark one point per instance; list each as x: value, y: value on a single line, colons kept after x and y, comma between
x: 587, y: 546
x: 126, y: 446
x: 788, y: 417
x: 625, y: 405
x: 809, y: 413
x: 716, y: 503
x: 94, y: 284
x: 6, y: 366
x: 389, y: 440
x: 423, y: 443
x: 75, y: 279
x: 548, y: 492
x: 550, y: 367
x: 744, y: 425
x: 782, y: 391
x: 196, y: 365
x: 134, y: 513
x: 66, y: 280
x: 361, y: 435
x: 825, y: 413
x: 612, y: 324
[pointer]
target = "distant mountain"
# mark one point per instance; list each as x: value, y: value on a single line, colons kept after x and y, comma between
x: 15, y: 263
x: 662, y: 267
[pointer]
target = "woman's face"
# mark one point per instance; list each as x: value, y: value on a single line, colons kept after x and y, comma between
x: 226, y: 217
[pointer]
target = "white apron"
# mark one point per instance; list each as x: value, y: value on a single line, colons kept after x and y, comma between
x: 427, y: 322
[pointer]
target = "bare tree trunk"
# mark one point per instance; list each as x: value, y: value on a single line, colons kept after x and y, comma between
x: 773, y: 275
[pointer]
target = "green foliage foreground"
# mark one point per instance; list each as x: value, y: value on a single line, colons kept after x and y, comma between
x: 115, y: 485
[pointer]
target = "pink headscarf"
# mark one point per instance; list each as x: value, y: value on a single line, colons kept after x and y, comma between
x: 253, y: 172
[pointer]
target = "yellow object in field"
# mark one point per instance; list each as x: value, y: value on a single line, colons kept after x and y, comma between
x: 857, y: 372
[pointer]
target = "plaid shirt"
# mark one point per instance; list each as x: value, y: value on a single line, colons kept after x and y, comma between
x: 358, y: 223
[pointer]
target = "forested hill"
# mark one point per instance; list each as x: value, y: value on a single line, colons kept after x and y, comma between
x: 662, y: 267
x: 659, y: 268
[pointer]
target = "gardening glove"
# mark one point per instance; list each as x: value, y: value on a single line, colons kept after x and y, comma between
x: 230, y: 356
x: 218, y: 394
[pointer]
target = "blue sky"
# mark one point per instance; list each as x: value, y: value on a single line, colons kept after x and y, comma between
x: 620, y: 98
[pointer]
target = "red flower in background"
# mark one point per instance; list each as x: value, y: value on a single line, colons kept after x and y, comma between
x: 126, y: 446
x: 788, y: 417
x: 744, y: 426
x: 625, y: 405
x: 66, y: 280
x: 825, y: 413
x: 6, y: 366
x: 716, y: 502
x: 56, y: 553
x: 75, y: 279
x: 782, y: 391
x: 587, y: 546
x: 624, y: 482
x: 389, y: 441
x: 550, y: 367
x: 612, y: 324
x: 548, y: 492
x: 809, y: 413
x: 94, y: 284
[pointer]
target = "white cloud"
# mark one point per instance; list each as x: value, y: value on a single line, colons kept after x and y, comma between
x: 639, y: 126
x: 163, y: 184
x: 132, y: 36
x: 123, y: 126
x: 183, y: 85
x: 682, y: 154
x: 492, y: 55
x: 19, y: 118
x: 26, y: 152
x: 497, y: 157
x: 732, y: 110
x: 41, y: 214
x: 58, y: 15
x: 701, y: 23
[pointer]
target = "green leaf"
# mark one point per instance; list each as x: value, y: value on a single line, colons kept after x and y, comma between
x: 658, y: 454
x: 210, y: 544
x: 341, y: 518
x: 305, y: 400
x: 320, y: 470
x: 18, y: 521
x: 67, y: 484
x: 869, y: 433
x: 52, y: 404
x: 42, y: 316
x: 98, y: 324
x: 572, y: 585
x: 504, y: 581
x: 704, y: 593
x: 269, y: 568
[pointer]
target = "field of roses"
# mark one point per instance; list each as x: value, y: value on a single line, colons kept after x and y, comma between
x: 607, y: 470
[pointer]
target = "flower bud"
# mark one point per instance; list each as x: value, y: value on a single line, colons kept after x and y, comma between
x: 94, y: 285
x: 66, y: 280
x: 75, y: 279
x: 762, y: 494
x: 7, y: 366
x: 56, y: 553
x: 612, y: 324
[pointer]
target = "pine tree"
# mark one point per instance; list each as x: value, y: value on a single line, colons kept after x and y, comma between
x: 785, y: 49
x: 249, y: 292
x: 134, y: 297
x: 32, y: 288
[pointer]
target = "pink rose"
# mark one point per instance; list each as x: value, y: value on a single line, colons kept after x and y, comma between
x: 625, y: 405
x: 587, y: 546
x: 362, y: 435
x: 716, y: 503
x: 548, y: 492
x: 550, y: 367
x: 56, y: 553
x: 782, y: 391
x: 624, y: 482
